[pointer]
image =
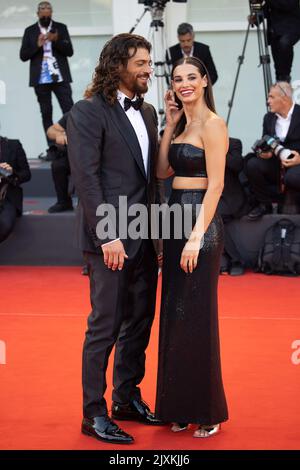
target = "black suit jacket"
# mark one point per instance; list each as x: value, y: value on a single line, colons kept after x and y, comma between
x: 106, y: 162
x: 12, y: 152
x: 292, y: 140
x: 202, y: 52
x: 62, y: 48
x: 233, y: 201
x: 283, y: 16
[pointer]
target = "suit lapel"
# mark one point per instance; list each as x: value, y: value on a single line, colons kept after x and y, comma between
x: 273, y: 124
x: 294, y: 121
x: 125, y: 128
x: 152, y: 134
x: 3, y: 151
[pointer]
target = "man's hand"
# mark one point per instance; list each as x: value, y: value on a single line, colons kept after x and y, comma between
x: 265, y: 155
x: 52, y: 36
x: 61, y: 139
x: 114, y: 255
x: 41, y: 40
x: 6, y: 166
x: 292, y: 161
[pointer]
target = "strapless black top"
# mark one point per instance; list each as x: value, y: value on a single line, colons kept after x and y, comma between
x: 187, y: 160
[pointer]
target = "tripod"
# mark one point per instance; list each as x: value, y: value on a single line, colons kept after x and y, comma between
x: 264, y: 56
x: 157, y: 37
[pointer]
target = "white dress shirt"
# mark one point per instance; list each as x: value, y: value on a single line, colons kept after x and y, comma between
x: 140, y: 129
x: 282, y: 124
x: 191, y: 54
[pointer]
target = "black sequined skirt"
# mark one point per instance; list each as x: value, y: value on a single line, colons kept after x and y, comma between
x: 189, y: 385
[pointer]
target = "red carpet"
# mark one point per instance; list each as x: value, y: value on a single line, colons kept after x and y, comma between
x: 43, y: 315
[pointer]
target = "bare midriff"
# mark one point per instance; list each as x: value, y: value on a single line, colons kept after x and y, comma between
x: 195, y: 182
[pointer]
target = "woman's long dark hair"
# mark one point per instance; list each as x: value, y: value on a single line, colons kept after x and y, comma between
x: 208, y: 94
x: 106, y: 77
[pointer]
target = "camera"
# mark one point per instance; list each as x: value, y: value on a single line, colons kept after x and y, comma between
x: 271, y: 144
x: 159, y: 3
x: 256, y: 5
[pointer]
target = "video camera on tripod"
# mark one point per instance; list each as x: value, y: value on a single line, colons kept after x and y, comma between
x: 161, y: 3
x: 256, y: 5
x: 158, y: 40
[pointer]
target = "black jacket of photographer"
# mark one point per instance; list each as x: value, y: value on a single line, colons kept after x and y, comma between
x: 61, y: 49
x: 292, y: 140
x: 201, y: 51
x: 12, y: 152
x: 283, y: 17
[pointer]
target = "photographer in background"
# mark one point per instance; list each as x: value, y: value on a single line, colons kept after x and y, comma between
x: 283, y: 18
x: 60, y: 166
x: 283, y: 27
x: 263, y: 168
x: 47, y: 45
x: 188, y: 47
x: 14, y: 170
x: 232, y: 205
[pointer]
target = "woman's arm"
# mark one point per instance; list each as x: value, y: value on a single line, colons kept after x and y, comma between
x: 215, y: 139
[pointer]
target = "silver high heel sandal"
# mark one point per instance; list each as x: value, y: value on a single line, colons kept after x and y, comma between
x: 177, y: 427
x: 207, y: 431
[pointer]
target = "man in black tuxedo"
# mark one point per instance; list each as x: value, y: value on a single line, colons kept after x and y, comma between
x: 12, y: 160
x: 47, y: 45
x: 187, y: 46
x: 112, y: 143
x: 283, y: 18
x: 263, y: 169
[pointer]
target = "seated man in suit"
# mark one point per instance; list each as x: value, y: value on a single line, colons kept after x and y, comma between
x: 14, y: 170
x: 188, y: 47
x: 264, y: 169
x: 233, y: 205
x: 60, y: 167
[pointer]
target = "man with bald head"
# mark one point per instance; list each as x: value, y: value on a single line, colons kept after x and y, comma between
x: 263, y: 169
x: 47, y: 45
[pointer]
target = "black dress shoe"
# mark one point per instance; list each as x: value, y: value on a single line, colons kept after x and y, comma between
x: 61, y: 207
x: 236, y: 269
x: 85, y: 270
x: 104, y: 429
x: 136, y: 410
x: 259, y: 211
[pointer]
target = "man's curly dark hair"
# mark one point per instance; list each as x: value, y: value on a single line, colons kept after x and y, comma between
x: 116, y: 52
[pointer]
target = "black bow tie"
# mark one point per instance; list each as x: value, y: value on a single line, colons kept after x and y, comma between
x: 135, y: 104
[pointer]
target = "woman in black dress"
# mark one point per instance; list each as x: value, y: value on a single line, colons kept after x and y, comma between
x: 193, y: 148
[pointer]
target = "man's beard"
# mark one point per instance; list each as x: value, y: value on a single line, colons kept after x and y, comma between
x: 45, y: 21
x: 141, y: 89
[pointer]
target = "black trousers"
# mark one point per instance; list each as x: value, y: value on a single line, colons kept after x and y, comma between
x: 123, y: 306
x: 263, y: 177
x: 60, y: 173
x: 8, y: 216
x: 63, y: 93
x: 230, y: 251
x: 283, y: 53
